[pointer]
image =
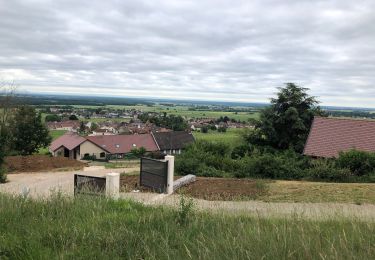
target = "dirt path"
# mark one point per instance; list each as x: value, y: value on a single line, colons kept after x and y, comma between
x: 365, y: 212
x: 43, y: 184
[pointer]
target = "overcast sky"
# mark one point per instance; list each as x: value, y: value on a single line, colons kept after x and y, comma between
x: 224, y: 50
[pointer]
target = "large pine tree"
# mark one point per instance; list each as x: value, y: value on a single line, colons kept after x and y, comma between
x: 286, y: 123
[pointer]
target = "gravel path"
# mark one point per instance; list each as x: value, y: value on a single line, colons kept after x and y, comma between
x: 322, y: 211
x: 43, y: 184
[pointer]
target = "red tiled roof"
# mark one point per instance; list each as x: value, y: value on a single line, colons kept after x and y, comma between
x: 124, y: 143
x: 329, y: 136
x: 69, y: 140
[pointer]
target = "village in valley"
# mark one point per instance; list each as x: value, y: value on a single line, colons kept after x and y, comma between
x: 187, y: 129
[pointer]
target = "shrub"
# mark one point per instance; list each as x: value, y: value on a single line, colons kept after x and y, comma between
x: 3, y: 176
x: 185, y: 165
x: 240, y: 151
x: 204, y: 129
x: 359, y: 162
x: 207, y: 171
x: 327, y: 170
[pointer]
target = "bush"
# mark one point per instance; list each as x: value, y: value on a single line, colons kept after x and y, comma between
x: 327, y: 170
x: 3, y: 176
x: 207, y: 171
x: 360, y: 163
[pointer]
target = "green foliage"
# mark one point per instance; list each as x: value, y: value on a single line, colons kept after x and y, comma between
x: 204, y: 129
x: 323, y: 169
x: 176, y: 123
x: 52, y: 118
x: 185, y: 210
x: 286, y: 123
x: 139, y: 152
x: 359, y: 162
x: 220, y: 160
x: 2, y: 155
x: 29, y: 134
x: 73, y: 117
x: 222, y: 129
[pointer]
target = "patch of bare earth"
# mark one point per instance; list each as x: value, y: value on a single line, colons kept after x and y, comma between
x: 40, y: 163
x: 207, y: 188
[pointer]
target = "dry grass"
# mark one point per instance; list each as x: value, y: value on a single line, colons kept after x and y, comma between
x: 302, y: 191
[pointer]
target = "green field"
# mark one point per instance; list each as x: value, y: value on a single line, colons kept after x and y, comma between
x: 54, y: 134
x: 184, y: 111
x: 232, y: 136
x: 94, y: 228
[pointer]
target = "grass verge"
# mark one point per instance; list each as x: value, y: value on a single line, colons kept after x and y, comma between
x: 95, y: 228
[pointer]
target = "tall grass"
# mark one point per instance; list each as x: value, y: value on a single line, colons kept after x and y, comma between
x: 95, y: 228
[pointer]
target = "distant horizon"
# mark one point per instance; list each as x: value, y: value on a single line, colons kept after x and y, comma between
x: 175, y: 100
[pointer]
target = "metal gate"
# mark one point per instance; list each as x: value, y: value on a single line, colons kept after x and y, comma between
x: 90, y: 185
x: 154, y: 174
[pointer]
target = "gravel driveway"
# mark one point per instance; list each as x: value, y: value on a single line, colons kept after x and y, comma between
x: 43, y: 184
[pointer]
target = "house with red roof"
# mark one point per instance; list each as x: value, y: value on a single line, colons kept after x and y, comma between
x: 330, y: 136
x: 77, y: 147
x: 67, y: 145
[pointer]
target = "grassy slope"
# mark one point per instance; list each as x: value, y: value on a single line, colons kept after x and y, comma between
x: 232, y: 136
x: 99, y: 229
x: 301, y: 191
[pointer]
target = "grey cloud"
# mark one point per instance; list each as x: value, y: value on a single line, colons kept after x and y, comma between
x: 237, y: 50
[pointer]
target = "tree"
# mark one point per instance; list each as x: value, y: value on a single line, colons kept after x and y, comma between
x: 204, y: 129
x: 139, y: 152
x: 53, y: 118
x: 7, y: 104
x: 286, y: 123
x: 28, y: 132
x: 73, y: 117
x: 94, y: 126
x: 82, y: 127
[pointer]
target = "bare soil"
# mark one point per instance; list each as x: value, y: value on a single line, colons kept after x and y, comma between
x: 207, y: 188
x: 40, y: 163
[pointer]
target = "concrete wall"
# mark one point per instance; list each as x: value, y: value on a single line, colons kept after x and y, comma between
x: 91, y: 149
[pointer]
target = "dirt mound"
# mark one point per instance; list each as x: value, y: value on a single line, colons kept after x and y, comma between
x: 209, y: 188
x: 40, y: 163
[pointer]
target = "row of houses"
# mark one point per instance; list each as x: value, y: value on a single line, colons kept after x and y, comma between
x: 74, y: 146
x: 107, y: 128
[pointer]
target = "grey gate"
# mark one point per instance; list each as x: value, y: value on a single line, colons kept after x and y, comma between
x: 89, y: 185
x: 154, y: 174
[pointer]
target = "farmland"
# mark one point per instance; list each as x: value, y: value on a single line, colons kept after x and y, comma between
x: 184, y: 111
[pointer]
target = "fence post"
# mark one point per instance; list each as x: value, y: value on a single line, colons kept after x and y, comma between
x: 170, y: 174
x: 112, y: 185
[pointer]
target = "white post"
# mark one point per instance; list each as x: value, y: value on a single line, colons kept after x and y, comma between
x: 112, y: 185
x: 170, y: 160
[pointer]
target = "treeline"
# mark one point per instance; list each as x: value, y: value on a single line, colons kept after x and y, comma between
x: 76, y: 100
x: 176, y: 123
x: 354, y: 114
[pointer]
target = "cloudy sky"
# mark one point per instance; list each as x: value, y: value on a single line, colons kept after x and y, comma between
x: 203, y: 50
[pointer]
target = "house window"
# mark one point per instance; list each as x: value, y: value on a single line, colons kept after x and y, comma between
x: 102, y: 155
